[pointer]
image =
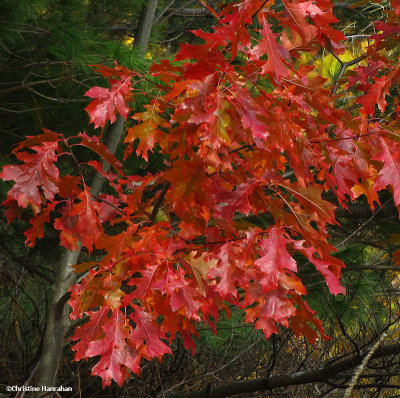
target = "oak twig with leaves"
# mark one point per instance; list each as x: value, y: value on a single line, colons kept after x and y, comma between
x: 232, y: 116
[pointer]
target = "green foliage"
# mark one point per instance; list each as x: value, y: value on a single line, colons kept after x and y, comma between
x: 45, y: 49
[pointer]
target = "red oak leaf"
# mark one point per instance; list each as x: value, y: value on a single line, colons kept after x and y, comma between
x: 102, y: 150
x: 116, y: 350
x: 389, y: 175
x: 147, y: 335
x: 376, y: 92
x: 80, y: 222
x: 376, y: 95
x: 108, y: 101
x: 275, y: 52
x: 186, y: 177
x: 37, y: 171
x: 298, y: 14
x: 118, y: 70
x: 227, y: 273
x: 96, y: 289
x: 310, y: 199
x: 146, y: 130
x: 89, y: 331
x: 274, y: 260
x: 329, y: 267
x: 13, y: 210
x: 386, y: 30
x: 301, y: 321
x: 238, y: 200
x: 396, y: 257
x: 273, y: 307
x: 166, y: 71
x: 249, y: 138
x: 396, y: 5
x: 30, y: 141
x: 233, y: 26
x: 214, y: 121
x: 38, y: 222
x: 69, y: 186
x: 182, y: 295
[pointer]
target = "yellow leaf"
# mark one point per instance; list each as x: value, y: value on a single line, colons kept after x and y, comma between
x: 331, y: 66
x: 200, y: 267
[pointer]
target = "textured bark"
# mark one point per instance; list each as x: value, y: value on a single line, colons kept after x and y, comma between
x: 146, y: 19
x: 58, y: 322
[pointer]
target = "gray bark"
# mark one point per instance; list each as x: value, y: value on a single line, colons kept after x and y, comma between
x: 113, y: 138
x: 58, y: 322
x: 142, y: 35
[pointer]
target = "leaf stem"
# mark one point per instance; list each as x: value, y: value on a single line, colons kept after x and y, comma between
x: 159, y: 201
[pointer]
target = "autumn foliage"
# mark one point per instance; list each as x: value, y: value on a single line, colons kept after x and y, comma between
x: 247, y: 130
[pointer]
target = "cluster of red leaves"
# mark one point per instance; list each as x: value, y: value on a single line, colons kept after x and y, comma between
x: 230, y: 141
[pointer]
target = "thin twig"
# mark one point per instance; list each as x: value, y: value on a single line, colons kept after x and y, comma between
x: 363, y: 364
x: 163, y: 11
x: 363, y: 224
x: 30, y: 84
x: 259, y: 9
x: 176, y: 11
x: 159, y: 201
x: 22, y: 393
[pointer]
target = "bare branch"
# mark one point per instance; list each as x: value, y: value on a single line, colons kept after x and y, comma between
x: 344, y: 66
x: 319, y: 375
x: 30, y: 84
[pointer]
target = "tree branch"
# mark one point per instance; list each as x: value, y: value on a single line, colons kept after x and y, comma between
x: 30, y: 84
x: 175, y: 11
x: 268, y: 383
x: 373, y: 267
x: 191, y: 12
x: 159, y: 201
x: 364, y: 362
x: 343, y: 67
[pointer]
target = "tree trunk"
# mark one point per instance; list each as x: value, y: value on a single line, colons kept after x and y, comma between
x: 58, y: 322
x: 146, y: 19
